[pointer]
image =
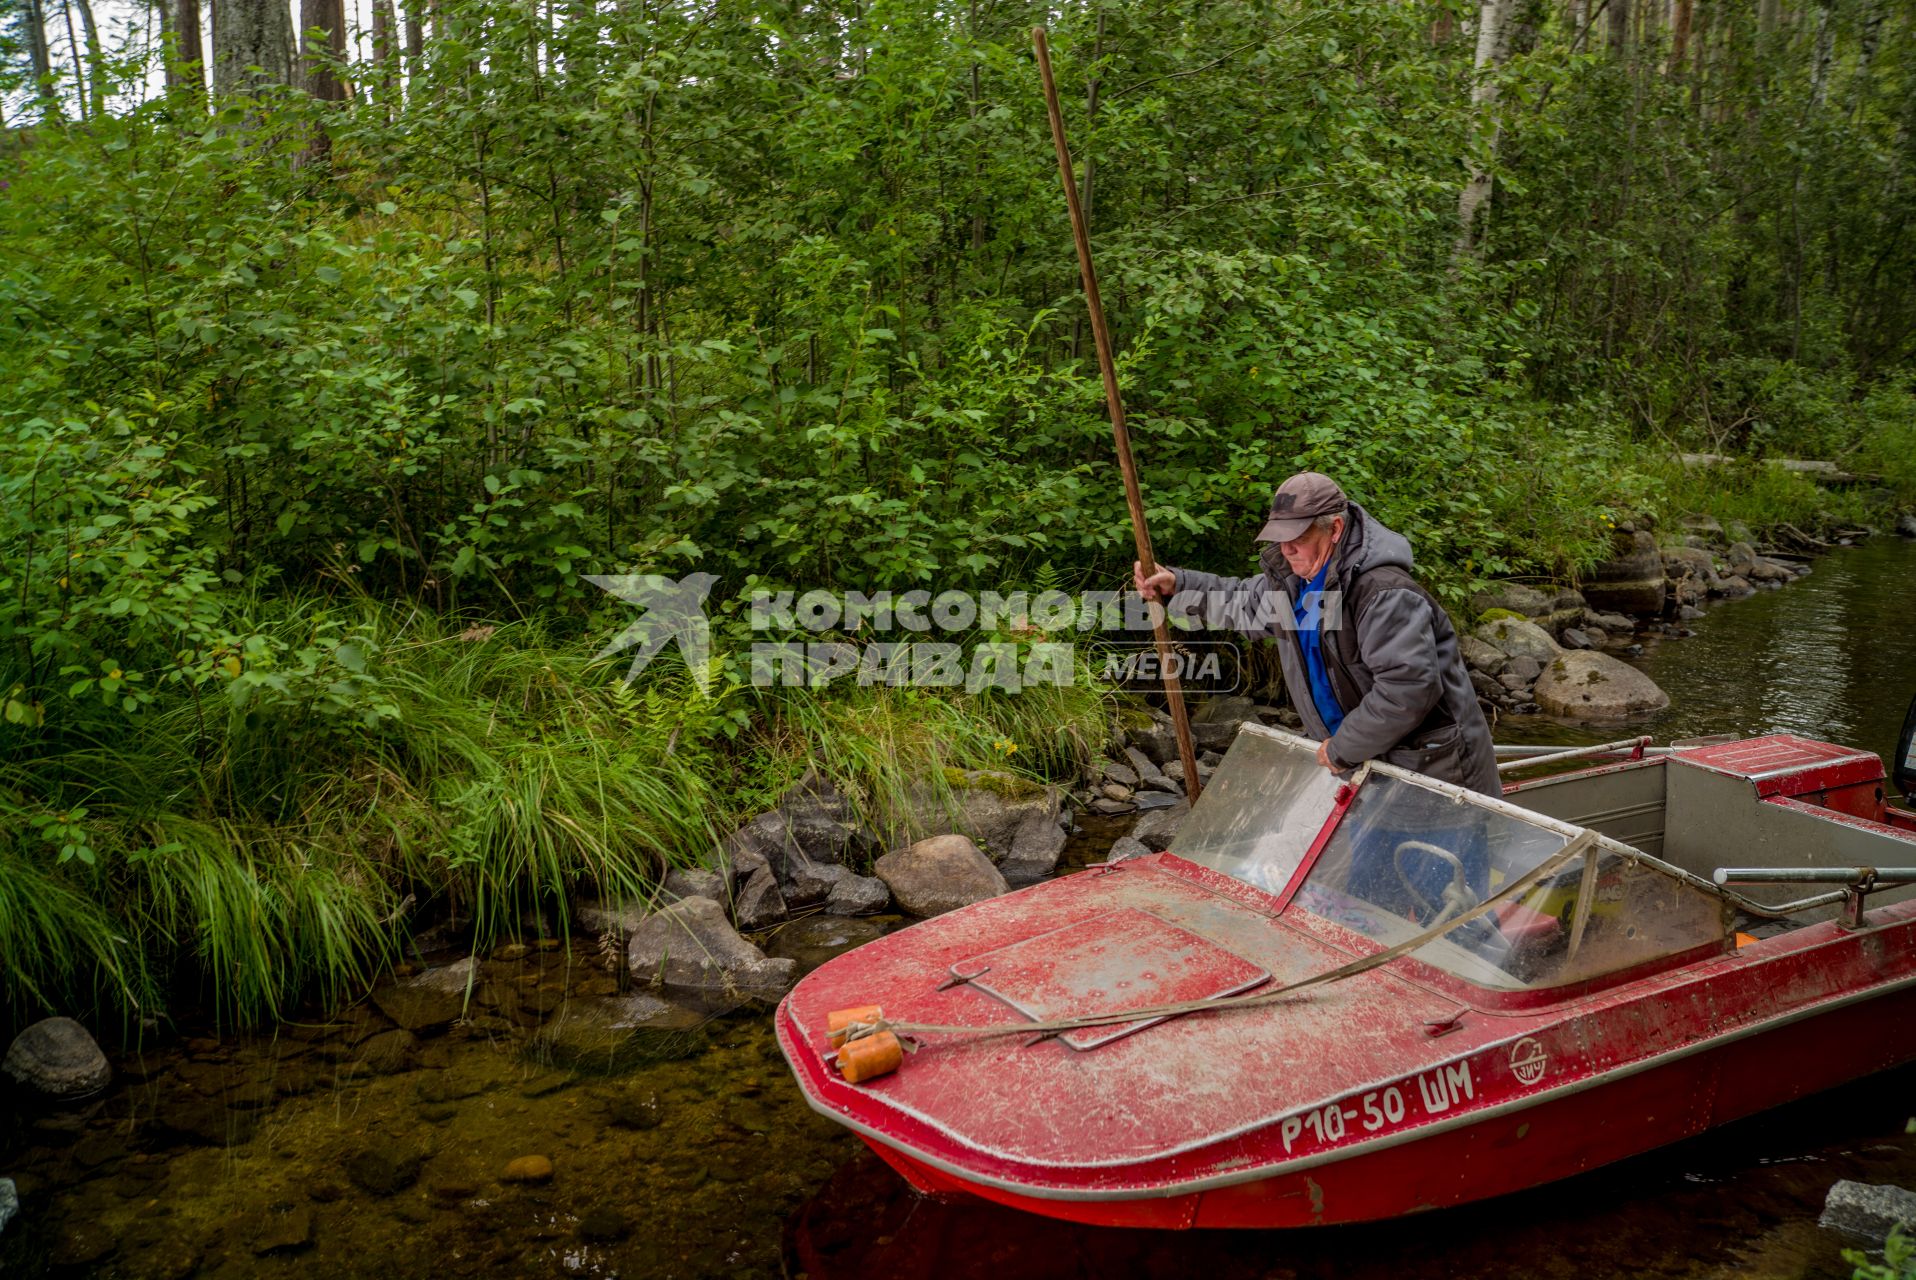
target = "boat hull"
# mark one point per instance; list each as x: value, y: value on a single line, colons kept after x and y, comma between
x: 1573, y: 1130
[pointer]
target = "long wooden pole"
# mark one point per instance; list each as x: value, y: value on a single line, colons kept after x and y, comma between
x: 1107, y: 365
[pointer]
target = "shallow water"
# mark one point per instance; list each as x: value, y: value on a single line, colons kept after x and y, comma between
x: 339, y: 1148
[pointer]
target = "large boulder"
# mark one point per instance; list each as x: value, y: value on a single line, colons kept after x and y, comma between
x: 939, y: 874
x: 690, y: 951
x: 1155, y: 830
x: 1587, y: 685
x: 1518, y: 639
x: 1150, y: 731
x: 1631, y: 581
x: 57, y: 1059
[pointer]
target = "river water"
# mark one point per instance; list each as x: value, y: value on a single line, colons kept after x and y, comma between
x: 341, y: 1147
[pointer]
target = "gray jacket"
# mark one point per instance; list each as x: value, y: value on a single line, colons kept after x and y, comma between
x: 1406, y: 695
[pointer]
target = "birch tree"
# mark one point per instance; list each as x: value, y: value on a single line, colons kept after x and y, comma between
x: 1493, y: 20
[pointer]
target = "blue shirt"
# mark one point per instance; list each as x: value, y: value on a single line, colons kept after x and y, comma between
x: 1310, y: 638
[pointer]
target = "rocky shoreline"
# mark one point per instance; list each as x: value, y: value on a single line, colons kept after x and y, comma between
x: 1554, y: 651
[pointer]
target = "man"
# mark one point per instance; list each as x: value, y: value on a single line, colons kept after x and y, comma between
x: 1369, y: 656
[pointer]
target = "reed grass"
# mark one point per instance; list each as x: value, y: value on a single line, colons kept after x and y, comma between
x: 257, y: 844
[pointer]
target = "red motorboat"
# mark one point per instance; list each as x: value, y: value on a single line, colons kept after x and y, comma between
x: 1335, y: 1001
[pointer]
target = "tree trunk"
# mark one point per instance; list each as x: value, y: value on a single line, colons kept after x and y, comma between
x: 1820, y: 58
x: 1871, y: 36
x: 324, y: 42
x: 73, y: 46
x: 386, y: 55
x: 1492, y: 22
x: 1680, y: 37
x: 415, y: 37
x: 1619, y: 27
x: 95, y: 60
x: 1702, y: 57
x: 252, y: 46
x: 185, y: 72
x: 41, y: 56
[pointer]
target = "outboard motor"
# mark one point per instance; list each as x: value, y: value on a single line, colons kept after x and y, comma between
x: 1903, y: 766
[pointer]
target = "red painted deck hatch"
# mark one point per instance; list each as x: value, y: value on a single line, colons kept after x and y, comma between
x: 1122, y: 960
x: 1782, y: 764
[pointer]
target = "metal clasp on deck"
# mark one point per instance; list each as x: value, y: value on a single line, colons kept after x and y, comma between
x: 1858, y: 883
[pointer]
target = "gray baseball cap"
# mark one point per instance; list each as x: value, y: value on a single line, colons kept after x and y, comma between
x: 1298, y: 501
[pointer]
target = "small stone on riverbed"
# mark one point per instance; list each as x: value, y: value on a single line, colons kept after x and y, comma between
x: 1868, y: 1212
x: 527, y: 1169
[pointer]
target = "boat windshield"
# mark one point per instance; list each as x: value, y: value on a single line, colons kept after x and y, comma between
x: 1261, y: 811
x: 1408, y: 854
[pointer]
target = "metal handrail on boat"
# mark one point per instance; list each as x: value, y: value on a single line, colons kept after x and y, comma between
x: 1858, y: 883
x: 1526, y: 757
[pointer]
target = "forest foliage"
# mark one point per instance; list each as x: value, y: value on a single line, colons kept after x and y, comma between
x: 304, y: 386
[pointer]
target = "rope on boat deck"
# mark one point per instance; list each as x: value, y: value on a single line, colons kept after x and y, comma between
x: 905, y: 1030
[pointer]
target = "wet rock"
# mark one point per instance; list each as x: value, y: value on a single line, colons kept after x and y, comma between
x: 1587, y: 685
x: 691, y: 950
x: 1514, y: 682
x: 636, y: 1108
x: 1557, y: 619
x: 532, y: 1169
x: 1516, y: 638
x: 611, y: 1036
x: 816, y: 939
x: 1220, y: 717
x: 1632, y: 580
x: 938, y: 875
x: 1035, y: 847
x: 1576, y: 638
x: 1150, y: 731
x: 1614, y: 623
x: 9, y: 1202
x: 384, y: 1170
x: 856, y: 895
x: 1734, y: 587
x: 1689, y: 613
x: 430, y: 1001
x: 1868, y: 1212
x: 57, y: 1059
x: 1487, y: 686
x: 1155, y: 830
x: 1769, y: 571
x: 1145, y: 767
x: 1112, y: 791
x: 1524, y: 667
x: 1163, y: 782
x: 1906, y: 525
x: 1597, y: 637
x: 694, y: 882
x: 1108, y: 807
x: 1149, y: 800
x: 1127, y: 847
x: 760, y: 902
x: 511, y: 952
x: 388, y: 1053
x: 1513, y: 596
x: 1481, y: 655
x: 1175, y: 773
x: 287, y: 1232
x: 1118, y: 774
x: 603, y: 1226
x: 1568, y: 598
